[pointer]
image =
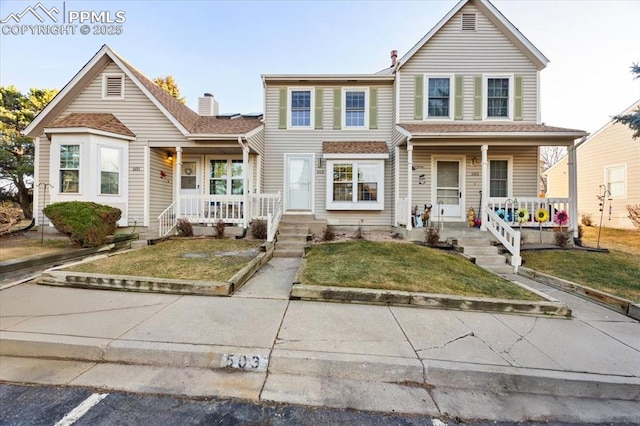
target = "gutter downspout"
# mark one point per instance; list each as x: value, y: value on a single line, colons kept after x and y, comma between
x: 245, y: 185
x: 409, y: 183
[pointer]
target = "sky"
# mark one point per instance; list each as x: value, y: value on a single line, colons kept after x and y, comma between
x: 224, y: 47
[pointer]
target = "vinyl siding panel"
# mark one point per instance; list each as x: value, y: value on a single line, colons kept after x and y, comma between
x: 469, y: 53
x: 160, y: 189
x: 558, y: 180
x: 256, y: 143
x: 281, y: 142
x: 43, y: 177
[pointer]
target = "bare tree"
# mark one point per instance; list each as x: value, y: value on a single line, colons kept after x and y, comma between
x: 549, y: 155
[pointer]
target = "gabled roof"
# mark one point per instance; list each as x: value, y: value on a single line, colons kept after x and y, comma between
x: 98, y: 121
x: 498, y: 19
x: 184, y: 118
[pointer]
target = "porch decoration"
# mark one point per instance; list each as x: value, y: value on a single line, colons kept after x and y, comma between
x: 502, y: 214
x: 561, y: 218
x: 542, y: 215
x: 471, y: 216
x: 522, y: 215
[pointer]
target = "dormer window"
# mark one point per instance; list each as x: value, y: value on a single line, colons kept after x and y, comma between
x: 113, y: 86
x: 468, y: 22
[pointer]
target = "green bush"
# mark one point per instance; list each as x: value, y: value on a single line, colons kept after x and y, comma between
x: 87, y: 224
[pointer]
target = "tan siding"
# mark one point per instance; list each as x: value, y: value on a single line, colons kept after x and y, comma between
x: 256, y: 142
x: 161, y: 189
x: 43, y: 177
x: 558, y: 180
x: 451, y: 51
x: 310, y: 141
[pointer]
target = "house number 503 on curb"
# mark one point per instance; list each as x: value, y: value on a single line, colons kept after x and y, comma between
x: 245, y: 362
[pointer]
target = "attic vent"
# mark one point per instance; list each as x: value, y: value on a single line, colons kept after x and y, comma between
x: 468, y: 22
x: 113, y: 86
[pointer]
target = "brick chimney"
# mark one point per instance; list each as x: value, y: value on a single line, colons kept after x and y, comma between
x: 394, y: 57
x: 207, y: 105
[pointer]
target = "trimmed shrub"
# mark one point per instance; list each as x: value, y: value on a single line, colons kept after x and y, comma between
x: 328, y: 234
x: 184, y: 228
x: 259, y: 229
x: 87, y: 224
x: 432, y: 235
x: 586, y: 220
x: 562, y: 238
x: 219, y: 228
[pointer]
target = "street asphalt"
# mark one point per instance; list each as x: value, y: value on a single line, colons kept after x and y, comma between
x: 261, y: 347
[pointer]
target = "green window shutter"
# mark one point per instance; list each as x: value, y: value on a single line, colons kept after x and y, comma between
x: 282, y: 108
x: 458, y: 104
x: 477, y: 97
x: 337, y: 108
x: 419, y: 97
x: 373, y: 108
x: 517, y: 99
x: 318, y: 112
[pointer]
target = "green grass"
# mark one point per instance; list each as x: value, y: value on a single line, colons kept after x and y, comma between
x: 616, y: 272
x: 166, y: 260
x: 407, y: 267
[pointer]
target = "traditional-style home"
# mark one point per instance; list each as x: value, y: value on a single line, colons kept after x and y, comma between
x: 453, y: 124
x: 608, y: 167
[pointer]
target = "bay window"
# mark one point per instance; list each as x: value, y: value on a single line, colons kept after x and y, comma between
x: 109, y: 171
x: 70, y: 169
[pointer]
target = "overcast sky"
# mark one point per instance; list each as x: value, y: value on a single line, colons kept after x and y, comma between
x: 223, y: 47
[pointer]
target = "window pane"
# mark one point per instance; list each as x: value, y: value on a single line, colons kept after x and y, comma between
x: 300, y: 108
x: 616, y: 181
x: 69, y: 156
x: 498, y: 97
x: 354, y: 109
x: 70, y: 181
x: 342, y: 172
x: 188, y: 182
x: 109, y: 183
x: 236, y: 168
x: 219, y: 169
x: 438, y: 102
x: 218, y: 187
x: 236, y: 187
x: 343, y: 191
x: 368, y: 191
x: 498, y: 178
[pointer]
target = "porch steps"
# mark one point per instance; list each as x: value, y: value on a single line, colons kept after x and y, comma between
x: 295, y: 233
x: 483, y: 252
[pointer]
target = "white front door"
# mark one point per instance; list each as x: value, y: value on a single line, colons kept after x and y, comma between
x: 298, y: 181
x: 190, y: 187
x: 448, y: 189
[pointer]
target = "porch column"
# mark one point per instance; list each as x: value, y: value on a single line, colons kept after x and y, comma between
x: 396, y: 184
x: 176, y: 180
x: 573, y: 190
x: 246, y: 211
x: 409, y: 183
x: 485, y: 187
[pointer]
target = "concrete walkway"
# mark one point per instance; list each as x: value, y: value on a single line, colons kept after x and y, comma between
x: 382, y: 358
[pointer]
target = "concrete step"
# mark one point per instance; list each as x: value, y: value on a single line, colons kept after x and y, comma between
x: 285, y: 237
x: 288, y: 253
x: 479, y: 251
x: 472, y: 241
x: 297, y: 218
x: 291, y: 245
x: 497, y: 260
x: 293, y: 228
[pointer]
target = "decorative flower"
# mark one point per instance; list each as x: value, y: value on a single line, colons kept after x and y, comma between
x: 522, y: 215
x: 502, y: 214
x: 561, y: 218
x: 542, y: 215
x: 162, y: 174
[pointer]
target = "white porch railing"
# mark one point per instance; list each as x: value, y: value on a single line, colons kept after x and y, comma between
x: 509, y: 237
x: 508, y: 207
x: 402, y: 211
x: 273, y: 218
x: 213, y: 208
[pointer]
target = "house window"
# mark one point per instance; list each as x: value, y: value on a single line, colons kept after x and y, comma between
x: 498, y: 91
x: 355, y: 185
x: 499, y: 178
x: 113, y: 86
x: 439, y: 97
x: 615, y: 177
x: 355, y: 108
x: 300, y: 108
x: 70, y: 169
x: 226, y: 177
x: 109, y: 171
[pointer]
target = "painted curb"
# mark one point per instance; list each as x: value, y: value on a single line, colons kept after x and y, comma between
x: 616, y: 303
x: 427, y: 300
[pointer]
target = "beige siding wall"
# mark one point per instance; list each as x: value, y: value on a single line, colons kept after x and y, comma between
x: 452, y: 51
x: 558, y: 180
x: 256, y: 142
x: 281, y: 142
x: 613, y: 146
x: 160, y: 188
x: 43, y: 177
x: 524, y: 165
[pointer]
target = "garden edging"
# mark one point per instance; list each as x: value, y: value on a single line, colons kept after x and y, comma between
x: 618, y: 304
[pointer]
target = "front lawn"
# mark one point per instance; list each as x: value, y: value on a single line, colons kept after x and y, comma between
x: 186, y: 259
x: 627, y: 240
x: 616, y: 272
x: 18, y: 247
x: 406, y: 267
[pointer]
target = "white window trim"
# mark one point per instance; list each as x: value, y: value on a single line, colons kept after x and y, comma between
x: 104, y: 86
x: 509, y: 159
x: 452, y: 91
x: 228, y: 159
x: 355, y: 205
x: 606, y: 180
x: 485, y: 95
x: 99, y: 168
x: 344, y: 107
x: 312, y: 101
x: 58, y: 171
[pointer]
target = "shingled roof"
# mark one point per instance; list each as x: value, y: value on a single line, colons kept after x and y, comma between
x: 98, y: 121
x: 424, y: 128
x: 355, y: 147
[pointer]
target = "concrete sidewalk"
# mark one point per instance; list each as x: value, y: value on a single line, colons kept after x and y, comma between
x: 260, y: 346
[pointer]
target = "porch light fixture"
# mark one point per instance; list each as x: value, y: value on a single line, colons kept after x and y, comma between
x: 170, y: 156
x: 319, y: 162
x: 474, y: 161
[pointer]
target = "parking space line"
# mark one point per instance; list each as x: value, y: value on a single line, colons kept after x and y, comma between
x: 72, y: 416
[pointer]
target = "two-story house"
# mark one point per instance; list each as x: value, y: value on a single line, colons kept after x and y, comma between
x: 454, y: 124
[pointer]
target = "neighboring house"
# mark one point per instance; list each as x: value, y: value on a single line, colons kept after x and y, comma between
x: 454, y: 123
x: 609, y: 159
